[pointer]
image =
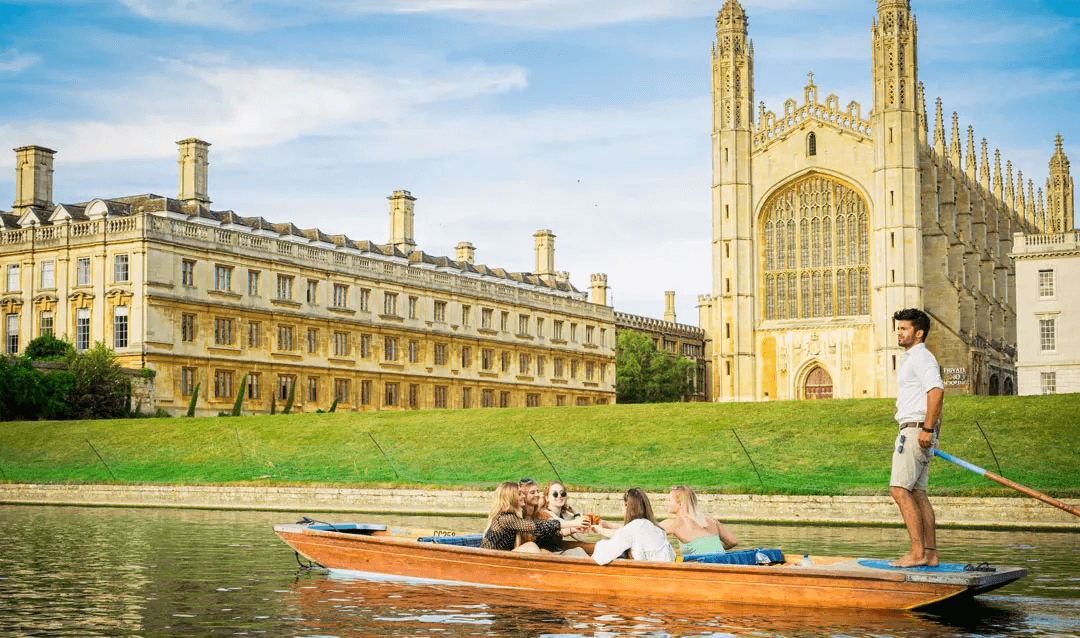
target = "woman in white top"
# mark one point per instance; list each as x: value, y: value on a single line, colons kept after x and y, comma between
x: 639, y: 533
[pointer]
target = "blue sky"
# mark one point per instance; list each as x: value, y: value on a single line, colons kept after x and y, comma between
x: 588, y: 117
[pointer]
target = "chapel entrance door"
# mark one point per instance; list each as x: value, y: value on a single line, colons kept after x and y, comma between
x: 818, y: 384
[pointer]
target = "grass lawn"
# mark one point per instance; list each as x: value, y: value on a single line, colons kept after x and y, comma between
x: 806, y: 447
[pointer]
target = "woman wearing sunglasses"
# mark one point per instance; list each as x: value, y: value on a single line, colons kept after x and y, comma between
x: 505, y: 523
x: 639, y: 533
x: 554, y: 501
x: 697, y: 533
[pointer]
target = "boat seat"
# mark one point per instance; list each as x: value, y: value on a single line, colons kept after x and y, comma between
x: 742, y: 557
x: 465, y: 540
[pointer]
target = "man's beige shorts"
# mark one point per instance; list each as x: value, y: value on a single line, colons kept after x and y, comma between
x: 911, y: 461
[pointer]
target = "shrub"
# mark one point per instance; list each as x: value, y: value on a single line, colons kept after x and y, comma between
x: 101, y: 389
x: 194, y: 400
x: 48, y: 348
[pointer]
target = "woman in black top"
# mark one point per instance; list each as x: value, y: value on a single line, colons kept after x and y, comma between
x: 506, y: 522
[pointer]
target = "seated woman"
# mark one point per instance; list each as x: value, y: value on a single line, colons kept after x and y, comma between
x: 697, y: 533
x: 505, y: 523
x: 554, y: 501
x: 533, y: 509
x: 639, y: 533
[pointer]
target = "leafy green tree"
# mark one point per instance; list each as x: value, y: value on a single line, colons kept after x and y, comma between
x: 48, y: 348
x: 101, y: 390
x: 21, y: 390
x: 644, y: 374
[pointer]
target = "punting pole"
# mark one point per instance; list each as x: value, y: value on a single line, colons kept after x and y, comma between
x: 1023, y: 489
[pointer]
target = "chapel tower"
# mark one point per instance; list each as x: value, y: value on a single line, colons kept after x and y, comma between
x: 733, y: 255
x: 896, y: 241
x: 1059, y: 192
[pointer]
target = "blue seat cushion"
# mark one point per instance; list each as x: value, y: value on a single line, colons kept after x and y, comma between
x: 742, y: 557
x: 465, y: 540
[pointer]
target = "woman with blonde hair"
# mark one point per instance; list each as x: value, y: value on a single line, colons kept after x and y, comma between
x: 639, y: 533
x: 697, y: 533
x: 505, y: 523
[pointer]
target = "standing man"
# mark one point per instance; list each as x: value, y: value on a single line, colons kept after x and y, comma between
x: 918, y: 413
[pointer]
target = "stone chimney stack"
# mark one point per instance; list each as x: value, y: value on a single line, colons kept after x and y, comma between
x: 669, y: 306
x: 401, y: 221
x: 466, y: 252
x: 33, y: 178
x: 545, y: 253
x: 598, y: 289
x: 194, y: 162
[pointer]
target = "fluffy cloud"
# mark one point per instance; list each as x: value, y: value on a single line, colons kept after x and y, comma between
x: 248, y: 106
x: 14, y: 62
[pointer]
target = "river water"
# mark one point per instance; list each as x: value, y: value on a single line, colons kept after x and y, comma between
x: 72, y: 571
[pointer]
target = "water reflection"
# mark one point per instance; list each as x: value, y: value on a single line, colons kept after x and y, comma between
x: 126, y: 572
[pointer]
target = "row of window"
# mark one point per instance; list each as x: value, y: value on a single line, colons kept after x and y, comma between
x: 225, y: 334
x: 46, y: 320
x: 223, y: 282
x: 392, y: 391
x: 83, y: 276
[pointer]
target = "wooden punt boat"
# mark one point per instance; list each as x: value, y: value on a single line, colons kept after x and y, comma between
x: 378, y: 551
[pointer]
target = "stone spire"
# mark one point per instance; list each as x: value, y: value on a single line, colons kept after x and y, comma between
x: 970, y: 166
x: 1040, y: 212
x: 954, y: 146
x: 1030, y: 212
x: 1010, y: 192
x: 998, y: 186
x: 1021, y: 204
x: 1059, y: 192
x: 984, y: 167
x: 923, y: 125
x: 939, y: 131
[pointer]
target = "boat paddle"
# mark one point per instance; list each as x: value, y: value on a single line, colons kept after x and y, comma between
x: 1023, y: 489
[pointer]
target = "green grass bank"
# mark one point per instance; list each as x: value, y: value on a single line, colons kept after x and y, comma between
x: 806, y: 447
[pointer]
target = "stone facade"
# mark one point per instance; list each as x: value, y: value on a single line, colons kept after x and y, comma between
x: 826, y: 220
x: 1048, y: 360
x: 208, y: 297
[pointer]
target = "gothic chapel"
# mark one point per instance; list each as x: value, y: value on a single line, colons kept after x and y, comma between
x: 826, y: 220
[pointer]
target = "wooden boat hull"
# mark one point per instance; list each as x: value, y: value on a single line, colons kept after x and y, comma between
x: 841, y: 583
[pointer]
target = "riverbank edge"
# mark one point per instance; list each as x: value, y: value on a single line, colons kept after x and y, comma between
x: 967, y: 512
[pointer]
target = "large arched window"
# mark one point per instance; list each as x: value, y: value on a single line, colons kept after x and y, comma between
x: 815, y: 233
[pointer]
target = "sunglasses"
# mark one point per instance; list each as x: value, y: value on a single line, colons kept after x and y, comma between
x: 558, y: 494
x: 526, y: 480
x: 900, y: 448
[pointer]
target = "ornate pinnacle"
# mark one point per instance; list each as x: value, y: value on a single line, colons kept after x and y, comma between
x: 939, y: 130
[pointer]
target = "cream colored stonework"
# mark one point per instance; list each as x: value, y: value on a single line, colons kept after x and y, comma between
x: 1046, y: 266
x: 932, y: 229
x: 211, y: 297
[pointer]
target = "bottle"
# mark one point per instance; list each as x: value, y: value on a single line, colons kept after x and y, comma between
x: 806, y: 562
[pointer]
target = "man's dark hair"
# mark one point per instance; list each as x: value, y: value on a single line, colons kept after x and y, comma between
x: 919, y: 320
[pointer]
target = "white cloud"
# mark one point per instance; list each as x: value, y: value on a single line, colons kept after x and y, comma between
x: 14, y: 62
x: 524, y: 14
x: 248, y: 106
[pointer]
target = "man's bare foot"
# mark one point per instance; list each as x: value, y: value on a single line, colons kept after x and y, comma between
x: 911, y: 560
x: 931, y: 558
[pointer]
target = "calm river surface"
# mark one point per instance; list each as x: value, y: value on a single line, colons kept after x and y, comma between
x: 70, y: 571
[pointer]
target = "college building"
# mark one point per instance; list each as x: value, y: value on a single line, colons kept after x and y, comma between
x: 828, y: 217
x: 213, y: 300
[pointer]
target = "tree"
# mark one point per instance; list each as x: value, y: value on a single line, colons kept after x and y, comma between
x: 101, y: 389
x: 643, y: 374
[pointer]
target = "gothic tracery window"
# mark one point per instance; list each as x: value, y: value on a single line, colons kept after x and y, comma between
x: 815, y: 234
